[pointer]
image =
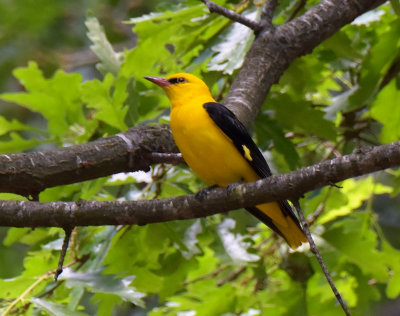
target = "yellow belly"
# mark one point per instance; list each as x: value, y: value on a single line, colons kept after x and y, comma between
x: 207, y: 150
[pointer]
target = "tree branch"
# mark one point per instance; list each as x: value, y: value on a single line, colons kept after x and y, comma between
x: 392, y: 73
x: 286, y: 186
x: 232, y: 15
x: 268, y: 13
x: 299, y: 6
x: 271, y: 53
x: 314, y: 250
x: 30, y: 173
x: 67, y: 237
x: 275, y: 49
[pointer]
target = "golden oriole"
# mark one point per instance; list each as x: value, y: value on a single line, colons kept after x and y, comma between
x: 218, y: 148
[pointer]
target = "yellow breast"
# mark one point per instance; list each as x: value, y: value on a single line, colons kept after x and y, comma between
x: 206, y: 149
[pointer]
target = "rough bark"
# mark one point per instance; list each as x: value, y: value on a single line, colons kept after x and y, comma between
x: 287, y: 186
x: 274, y: 49
x: 30, y: 173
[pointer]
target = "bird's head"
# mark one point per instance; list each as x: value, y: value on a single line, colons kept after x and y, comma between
x: 183, y: 87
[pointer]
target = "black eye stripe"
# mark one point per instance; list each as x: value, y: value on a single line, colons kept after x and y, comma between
x: 177, y: 80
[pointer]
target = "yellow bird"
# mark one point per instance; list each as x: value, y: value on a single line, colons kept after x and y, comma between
x: 218, y: 148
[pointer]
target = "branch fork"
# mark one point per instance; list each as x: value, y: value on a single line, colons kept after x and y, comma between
x: 256, y: 26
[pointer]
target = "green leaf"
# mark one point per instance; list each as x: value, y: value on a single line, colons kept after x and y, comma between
x: 57, y: 98
x: 392, y: 258
x: 99, y: 238
x: 396, y: 6
x: 315, y: 88
x: 106, y: 303
x: 39, y: 262
x: 11, y: 288
x: 34, y: 236
x: 206, y: 264
x: 219, y: 300
x: 75, y: 296
x: 203, y: 299
x: 174, y: 269
x: 186, y: 267
x: 236, y: 41
x: 267, y: 130
x: 341, y: 45
x: 14, y: 125
x: 362, y: 248
x: 318, y: 290
x: 393, y: 288
x: 12, y: 196
x: 14, y: 235
x: 17, y: 144
x: 374, y: 67
x: 146, y: 280
x: 140, y: 245
x: 107, y: 97
x: 352, y: 194
x: 91, y: 189
x: 281, y: 296
x: 383, y: 109
x: 301, y: 116
x: 168, y: 42
x: 96, y: 282
x: 110, y: 61
x: 55, y: 309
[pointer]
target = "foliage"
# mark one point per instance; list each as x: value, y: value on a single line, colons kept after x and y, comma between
x: 223, y: 265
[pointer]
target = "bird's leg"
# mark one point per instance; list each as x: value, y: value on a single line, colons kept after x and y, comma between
x: 202, y: 194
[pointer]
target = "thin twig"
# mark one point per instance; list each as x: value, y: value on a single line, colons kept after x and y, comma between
x: 393, y: 71
x: 22, y: 297
x: 210, y: 275
x: 54, y: 286
x: 320, y: 209
x: 233, y: 276
x: 298, y: 8
x: 232, y: 15
x: 12, y: 309
x: 64, y: 249
x: 321, y: 262
x: 227, y: 83
x: 268, y: 13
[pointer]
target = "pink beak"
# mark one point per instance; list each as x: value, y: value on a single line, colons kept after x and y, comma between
x: 159, y: 81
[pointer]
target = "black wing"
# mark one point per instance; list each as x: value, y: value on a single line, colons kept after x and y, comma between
x: 238, y: 133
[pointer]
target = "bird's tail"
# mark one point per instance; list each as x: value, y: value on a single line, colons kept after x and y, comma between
x: 281, y: 219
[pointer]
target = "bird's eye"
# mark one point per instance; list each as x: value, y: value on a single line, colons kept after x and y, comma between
x: 177, y: 80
